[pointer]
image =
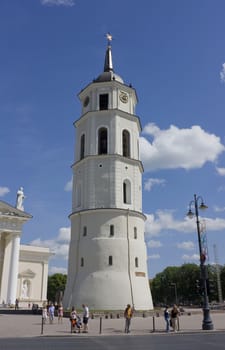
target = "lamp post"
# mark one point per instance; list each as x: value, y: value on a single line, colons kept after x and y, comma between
x: 175, y: 291
x: 207, y: 322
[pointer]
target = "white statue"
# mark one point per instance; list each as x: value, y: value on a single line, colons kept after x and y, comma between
x: 19, y: 199
x: 25, y: 290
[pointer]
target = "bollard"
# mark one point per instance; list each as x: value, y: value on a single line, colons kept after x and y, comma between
x: 178, y: 323
x: 100, y: 326
x: 153, y: 323
x: 42, y: 325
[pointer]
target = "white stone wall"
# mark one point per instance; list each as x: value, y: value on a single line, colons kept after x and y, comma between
x: 96, y: 280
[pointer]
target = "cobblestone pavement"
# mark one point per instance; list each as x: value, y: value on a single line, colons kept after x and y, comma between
x: 16, y: 325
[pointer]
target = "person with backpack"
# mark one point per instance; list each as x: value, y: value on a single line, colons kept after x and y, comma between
x: 128, y: 313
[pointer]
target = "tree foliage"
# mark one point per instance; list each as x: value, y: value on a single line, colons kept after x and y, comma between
x: 179, y: 284
x: 56, y: 286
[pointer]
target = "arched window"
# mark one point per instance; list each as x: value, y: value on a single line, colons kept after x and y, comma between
x: 110, y: 260
x: 82, y: 146
x: 126, y: 192
x: 136, y: 262
x: 135, y: 232
x: 102, y: 141
x: 126, y: 143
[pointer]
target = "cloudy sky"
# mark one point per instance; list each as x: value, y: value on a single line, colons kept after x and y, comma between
x: 173, y: 53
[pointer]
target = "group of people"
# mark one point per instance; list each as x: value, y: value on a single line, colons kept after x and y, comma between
x: 171, y: 318
x: 76, y: 323
x: 48, y: 312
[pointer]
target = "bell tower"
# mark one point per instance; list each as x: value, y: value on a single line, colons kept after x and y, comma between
x: 107, y: 266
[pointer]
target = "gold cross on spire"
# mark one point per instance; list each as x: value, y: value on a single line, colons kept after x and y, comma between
x: 109, y: 38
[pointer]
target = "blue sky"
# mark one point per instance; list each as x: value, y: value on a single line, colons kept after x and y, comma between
x: 173, y: 53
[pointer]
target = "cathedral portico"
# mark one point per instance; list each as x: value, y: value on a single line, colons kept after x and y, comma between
x: 23, y: 269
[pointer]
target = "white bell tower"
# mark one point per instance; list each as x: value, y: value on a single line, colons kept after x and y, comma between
x: 107, y: 266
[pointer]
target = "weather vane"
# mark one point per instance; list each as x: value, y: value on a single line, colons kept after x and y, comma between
x: 109, y: 38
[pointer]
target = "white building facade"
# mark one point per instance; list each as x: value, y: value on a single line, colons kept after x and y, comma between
x: 107, y: 266
x: 23, y: 268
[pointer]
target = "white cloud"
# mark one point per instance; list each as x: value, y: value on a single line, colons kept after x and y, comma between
x: 68, y: 3
x: 220, y: 171
x: 164, y: 220
x: 58, y: 245
x: 64, y: 234
x: 69, y: 185
x: 56, y: 269
x: 178, y: 148
x: 222, y: 73
x: 218, y: 209
x: 194, y: 257
x: 154, y: 244
x: 186, y: 245
x: 4, y: 191
x: 149, y: 183
x: 154, y: 256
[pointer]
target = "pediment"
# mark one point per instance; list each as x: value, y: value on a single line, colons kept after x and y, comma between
x: 27, y: 274
x: 10, y: 211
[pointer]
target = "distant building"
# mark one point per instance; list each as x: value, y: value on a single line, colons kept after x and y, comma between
x: 23, y: 268
x: 107, y: 258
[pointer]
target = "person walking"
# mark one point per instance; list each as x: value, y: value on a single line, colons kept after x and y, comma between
x: 174, y: 317
x: 85, y: 318
x: 128, y: 313
x: 60, y: 313
x: 51, y: 313
x: 167, y: 318
x: 44, y: 313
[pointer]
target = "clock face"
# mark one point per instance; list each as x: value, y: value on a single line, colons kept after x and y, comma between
x: 123, y: 97
x: 86, y: 101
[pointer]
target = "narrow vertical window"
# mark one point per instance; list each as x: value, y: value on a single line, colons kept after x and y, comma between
x: 82, y: 146
x: 136, y: 262
x: 85, y: 231
x: 82, y: 262
x: 111, y: 230
x: 103, y: 101
x: 110, y: 260
x: 126, y: 192
x: 78, y: 195
x: 102, y: 141
x: 126, y: 143
x: 135, y: 232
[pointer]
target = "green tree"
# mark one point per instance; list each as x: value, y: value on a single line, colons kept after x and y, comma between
x: 56, y: 287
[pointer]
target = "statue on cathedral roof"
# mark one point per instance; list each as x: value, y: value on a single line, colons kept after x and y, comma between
x: 19, y: 199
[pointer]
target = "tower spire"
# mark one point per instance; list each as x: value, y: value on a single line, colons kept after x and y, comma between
x: 108, y: 66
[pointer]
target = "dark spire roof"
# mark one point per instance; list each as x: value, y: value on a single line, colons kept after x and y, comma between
x: 108, y: 60
x: 108, y: 73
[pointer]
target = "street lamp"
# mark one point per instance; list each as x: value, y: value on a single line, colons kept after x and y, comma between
x: 175, y: 291
x: 207, y: 322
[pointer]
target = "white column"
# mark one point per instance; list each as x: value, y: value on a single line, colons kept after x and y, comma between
x: 13, y: 270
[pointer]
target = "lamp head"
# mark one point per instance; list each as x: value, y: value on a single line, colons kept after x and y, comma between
x: 190, y: 214
x: 202, y: 206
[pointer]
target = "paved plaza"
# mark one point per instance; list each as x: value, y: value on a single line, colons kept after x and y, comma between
x: 19, y: 325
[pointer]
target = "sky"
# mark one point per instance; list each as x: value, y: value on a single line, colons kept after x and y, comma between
x: 173, y: 53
